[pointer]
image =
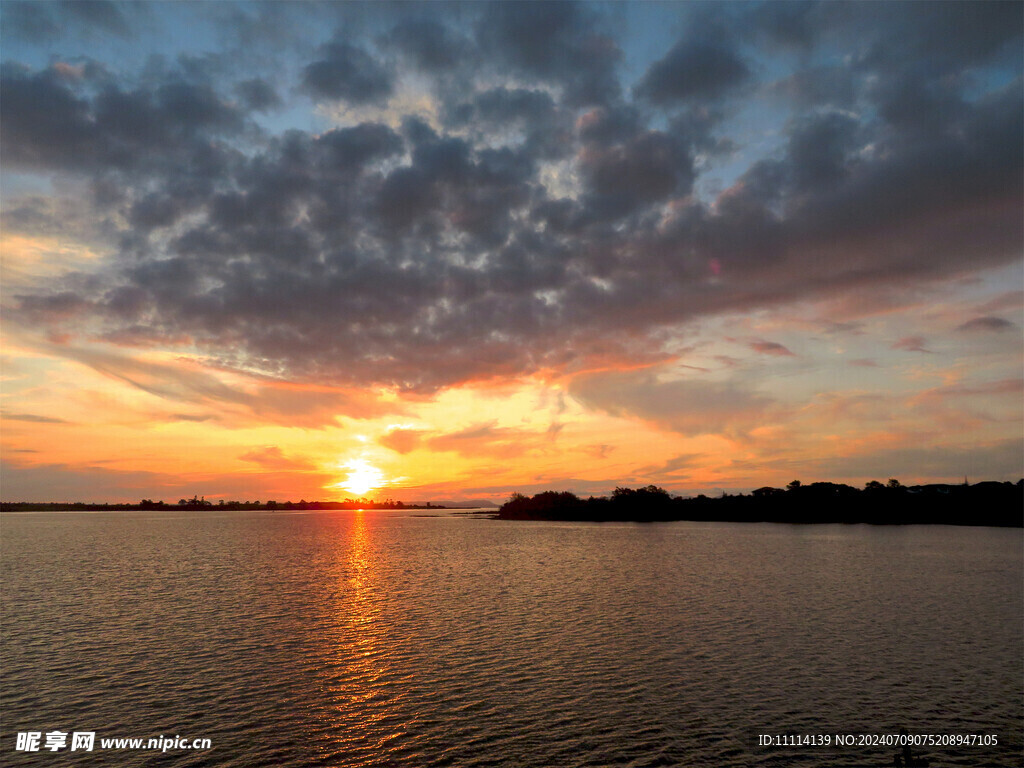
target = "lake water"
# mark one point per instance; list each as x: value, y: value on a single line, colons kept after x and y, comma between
x: 391, y: 639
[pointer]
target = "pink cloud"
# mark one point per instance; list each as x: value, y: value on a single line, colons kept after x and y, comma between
x: 770, y: 348
x: 912, y: 344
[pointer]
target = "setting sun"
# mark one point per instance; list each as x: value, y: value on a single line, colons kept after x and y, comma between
x: 362, y: 477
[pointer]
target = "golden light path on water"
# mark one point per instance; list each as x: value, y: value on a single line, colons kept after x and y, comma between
x: 366, y: 712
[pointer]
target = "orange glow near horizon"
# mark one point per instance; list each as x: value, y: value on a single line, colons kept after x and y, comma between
x: 93, y: 422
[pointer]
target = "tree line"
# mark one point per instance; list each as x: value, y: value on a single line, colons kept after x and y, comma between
x: 892, y: 503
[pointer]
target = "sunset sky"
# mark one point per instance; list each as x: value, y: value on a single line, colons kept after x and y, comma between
x: 446, y: 251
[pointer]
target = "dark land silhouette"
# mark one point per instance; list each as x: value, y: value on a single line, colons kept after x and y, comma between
x: 985, y: 503
x: 201, y: 503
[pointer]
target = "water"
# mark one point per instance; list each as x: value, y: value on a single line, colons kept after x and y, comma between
x: 390, y: 639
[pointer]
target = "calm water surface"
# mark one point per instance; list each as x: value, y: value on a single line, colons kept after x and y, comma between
x: 389, y: 639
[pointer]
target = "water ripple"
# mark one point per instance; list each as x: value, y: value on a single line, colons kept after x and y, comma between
x: 371, y: 639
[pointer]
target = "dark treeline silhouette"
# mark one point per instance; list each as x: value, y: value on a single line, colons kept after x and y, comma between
x: 201, y: 503
x: 986, y: 503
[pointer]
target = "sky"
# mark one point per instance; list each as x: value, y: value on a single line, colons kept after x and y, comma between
x: 428, y: 251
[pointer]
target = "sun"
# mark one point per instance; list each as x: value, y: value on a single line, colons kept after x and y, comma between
x: 362, y: 477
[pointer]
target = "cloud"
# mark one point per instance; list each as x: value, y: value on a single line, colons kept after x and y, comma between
x: 347, y: 72
x: 987, y: 324
x: 53, y: 122
x: 33, y: 418
x: 561, y: 43
x: 830, y: 86
x: 911, y: 344
x: 675, y: 469
x: 688, y: 406
x: 541, y: 222
x: 693, y: 70
x: 258, y: 94
x: 47, y: 21
x: 770, y: 348
x: 1001, y: 460
x: 943, y: 39
x: 193, y: 417
x: 1011, y: 387
x: 430, y: 44
x: 598, y: 451
x: 621, y: 178
x: 248, y: 400
x: 402, y: 440
x: 488, y: 440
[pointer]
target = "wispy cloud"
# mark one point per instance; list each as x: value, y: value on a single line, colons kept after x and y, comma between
x: 989, y: 324
x: 33, y: 418
x: 912, y: 344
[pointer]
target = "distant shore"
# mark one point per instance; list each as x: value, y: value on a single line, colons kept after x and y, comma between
x: 995, y: 504
x: 985, y: 504
x: 208, y: 506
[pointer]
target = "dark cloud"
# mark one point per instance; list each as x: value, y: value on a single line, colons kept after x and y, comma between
x: 43, y: 123
x: 793, y: 25
x: 347, y: 72
x: 609, y: 125
x: 542, y: 220
x: 693, y: 70
x: 41, y: 22
x: 530, y: 118
x: 914, y: 103
x: 29, y: 20
x: 258, y: 94
x: 51, y: 122
x: 938, y: 36
x: 819, y: 149
x: 652, y: 166
x: 562, y: 43
x: 430, y: 44
x: 987, y: 324
x: 101, y: 14
x: 826, y: 85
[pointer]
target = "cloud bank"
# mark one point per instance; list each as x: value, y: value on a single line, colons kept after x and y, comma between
x: 549, y: 206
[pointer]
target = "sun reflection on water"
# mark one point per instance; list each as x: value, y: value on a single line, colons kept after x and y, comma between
x: 364, y: 706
